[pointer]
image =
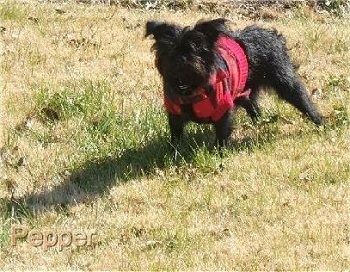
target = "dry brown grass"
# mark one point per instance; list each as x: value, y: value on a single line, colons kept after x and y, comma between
x: 282, y: 201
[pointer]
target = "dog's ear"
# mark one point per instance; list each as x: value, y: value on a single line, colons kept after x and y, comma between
x: 213, y: 29
x: 164, y: 34
x: 152, y: 27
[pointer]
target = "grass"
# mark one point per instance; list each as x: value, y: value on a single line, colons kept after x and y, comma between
x: 84, y: 145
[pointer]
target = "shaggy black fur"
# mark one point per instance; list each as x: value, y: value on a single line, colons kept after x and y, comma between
x: 187, y: 56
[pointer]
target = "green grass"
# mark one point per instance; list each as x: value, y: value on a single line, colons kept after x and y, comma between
x: 11, y: 11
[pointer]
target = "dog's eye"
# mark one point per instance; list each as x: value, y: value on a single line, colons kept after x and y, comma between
x: 197, y: 43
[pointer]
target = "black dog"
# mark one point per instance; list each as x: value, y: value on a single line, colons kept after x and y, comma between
x: 208, y: 69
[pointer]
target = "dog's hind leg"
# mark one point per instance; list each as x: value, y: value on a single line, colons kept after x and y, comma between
x: 251, y: 107
x: 289, y: 87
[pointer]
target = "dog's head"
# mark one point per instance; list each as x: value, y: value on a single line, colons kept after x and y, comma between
x: 185, y: 57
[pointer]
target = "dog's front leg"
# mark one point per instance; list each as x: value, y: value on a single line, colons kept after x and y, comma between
x: 223, y: 130
x: 176, y: 125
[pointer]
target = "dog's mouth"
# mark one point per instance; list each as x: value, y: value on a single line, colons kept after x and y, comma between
x: 184, y: 90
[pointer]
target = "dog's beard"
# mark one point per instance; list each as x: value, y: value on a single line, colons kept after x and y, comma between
x: 184, y: 88
x: 184, y: 80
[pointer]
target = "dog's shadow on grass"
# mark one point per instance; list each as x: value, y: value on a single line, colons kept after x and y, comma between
x: 95, y: 177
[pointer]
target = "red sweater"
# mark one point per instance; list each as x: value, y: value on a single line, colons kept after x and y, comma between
x: 228, y: 85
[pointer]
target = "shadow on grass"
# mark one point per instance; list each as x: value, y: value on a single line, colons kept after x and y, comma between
x: 96, y: 177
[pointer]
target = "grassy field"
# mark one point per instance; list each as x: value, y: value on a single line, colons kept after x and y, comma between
x: 83, y: 147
